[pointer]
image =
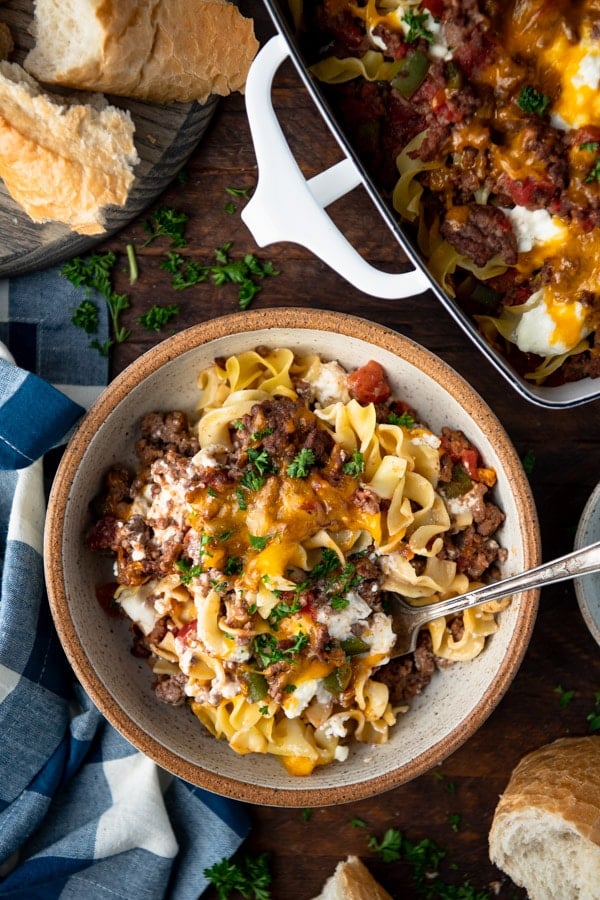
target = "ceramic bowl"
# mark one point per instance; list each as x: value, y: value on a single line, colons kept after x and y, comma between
x: 446, y: 714
x: 587, y: 588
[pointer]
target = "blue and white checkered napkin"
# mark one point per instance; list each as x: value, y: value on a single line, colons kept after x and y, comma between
x: 82, y: 813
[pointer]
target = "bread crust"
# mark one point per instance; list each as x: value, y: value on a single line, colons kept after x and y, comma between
x: 548, y: 818
x: 159, y: 51
x: 63, y: 161
x: 352, y: 881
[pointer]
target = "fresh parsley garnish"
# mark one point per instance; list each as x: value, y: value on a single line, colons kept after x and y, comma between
x: 94, y: 273
x: 166, y: 222
x: 328, y: 563
x: 533, y: 101
x: 267, y: 650
x: 233, y: 565
x: 281, y: 611
x: 249, y: 876
x: 590, y: 146
x: 417, y: 27
x: 158, y: 316
x: 259, y: 542
x: 594, y: 173
x: 261, y: 461
x: 301, y: 463
x: 187, y: 570
x: 355, y: 466
x: 259, y: 435
x: 404, y: 420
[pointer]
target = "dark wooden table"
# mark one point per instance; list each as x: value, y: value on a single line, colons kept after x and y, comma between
x: 453, y: 805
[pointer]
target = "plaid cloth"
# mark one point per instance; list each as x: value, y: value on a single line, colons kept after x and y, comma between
x: 82, y: 813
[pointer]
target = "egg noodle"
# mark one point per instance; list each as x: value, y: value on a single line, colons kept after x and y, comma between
x: 256, y: 569
x: 491, y: 113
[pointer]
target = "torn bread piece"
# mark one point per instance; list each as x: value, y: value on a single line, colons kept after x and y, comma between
x: 63, y: 160
x: 159, y: 51
x: 352, y: 881
x: 545, y: 833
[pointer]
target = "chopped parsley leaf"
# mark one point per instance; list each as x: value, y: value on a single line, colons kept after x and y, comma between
x: 355, y: 466
x: 259, y: 542
x: 593, y: 718
x: 259, y: 435
x: 564, y: 697
x: 86, y: 316
x: 533, y: 101
x: 249, y: 876
x: 187, y: 570
x: 233, y: 566
x: 405, y: 420
x: 281, y: 611
x: 267, y: 650
x: 261, y: 461
x: 389, y: 846
x: 166, y: 222
x: 594, y: 173
x: 301, y: 463
x: 158, y: 316
x: 94, y: 273
x: 417, y: 27
x: 251, y: 480
x: 329, y: 562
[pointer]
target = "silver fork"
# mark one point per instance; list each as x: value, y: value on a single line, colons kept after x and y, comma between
x: 408, y: 620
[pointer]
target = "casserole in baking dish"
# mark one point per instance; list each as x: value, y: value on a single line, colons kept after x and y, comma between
x: 475, y: 127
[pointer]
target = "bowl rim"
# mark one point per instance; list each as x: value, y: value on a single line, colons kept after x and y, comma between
x: 587, y: 595
x: 297, y: 318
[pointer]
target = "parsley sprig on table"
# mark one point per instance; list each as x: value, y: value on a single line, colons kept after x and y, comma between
x: 158, y: 316
x: 244, y: 272
x: 425, y: 858
x: 249, y: 876
x: 94, y: 273
x: 169, y: 223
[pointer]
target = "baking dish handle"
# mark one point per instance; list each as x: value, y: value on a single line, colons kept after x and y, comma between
x: 287, y: 207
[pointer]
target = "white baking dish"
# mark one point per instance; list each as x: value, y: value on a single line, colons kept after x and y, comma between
x: 288, y: 207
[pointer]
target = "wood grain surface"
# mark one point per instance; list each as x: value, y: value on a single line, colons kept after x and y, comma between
x: 454, y: 804
x: 164, y: 138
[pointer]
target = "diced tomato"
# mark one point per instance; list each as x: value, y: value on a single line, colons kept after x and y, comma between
x: 187, y: 631
x: 435, y: 7
x: 470, y: 460
x: 529, y: 192
x: 369, y: 384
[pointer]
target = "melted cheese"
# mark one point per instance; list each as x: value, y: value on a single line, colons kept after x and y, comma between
x: 550, y: 327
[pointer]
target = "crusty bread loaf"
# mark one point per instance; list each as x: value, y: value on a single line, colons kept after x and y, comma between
x: 546, y: 829
x: 7, y: 44
x: 63, y: 160
x: 352, y: 881
x: 158, y: 50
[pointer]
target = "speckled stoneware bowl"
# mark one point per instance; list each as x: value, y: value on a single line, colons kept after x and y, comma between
x: 452, y: 707
x: 587, y: 588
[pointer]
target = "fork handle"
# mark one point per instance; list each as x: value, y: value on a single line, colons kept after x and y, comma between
x: 572, y: 565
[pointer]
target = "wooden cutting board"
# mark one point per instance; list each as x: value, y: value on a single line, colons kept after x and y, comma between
x: 165, y: 137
